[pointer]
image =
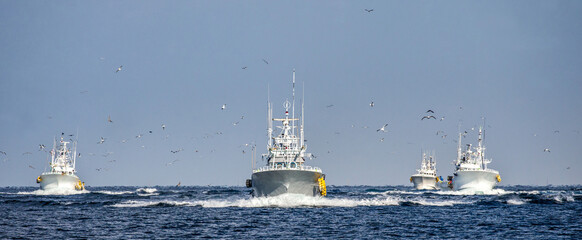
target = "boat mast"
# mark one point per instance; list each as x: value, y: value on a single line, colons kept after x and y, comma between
x: 480, y: 151
x: 269, y: 119
x: 293, y: 107
x: 74, y: 153
x: 302, y: 143
x: 53, y: 153
x: 459, y: 149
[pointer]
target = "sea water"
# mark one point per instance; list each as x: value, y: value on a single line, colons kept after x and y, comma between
x: 361, y: 212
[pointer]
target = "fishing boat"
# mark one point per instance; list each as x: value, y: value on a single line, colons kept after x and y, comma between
x: 62, y: 174
x: 471, y: 171
x: 426, y: 177
x: 285, y: 170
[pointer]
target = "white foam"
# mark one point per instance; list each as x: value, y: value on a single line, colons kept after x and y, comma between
x: 515, y: 201
x: 133, y: 203
x: 439, y: 203
x: 496, y: 191
x: 293, y: 201
x: 114, y: 193
x: 398, y: 192
x: 54, y: 192
x: 147, y: 192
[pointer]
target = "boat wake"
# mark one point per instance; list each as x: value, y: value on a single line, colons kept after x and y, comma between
x: 41, y: 192
x: 292, y: 201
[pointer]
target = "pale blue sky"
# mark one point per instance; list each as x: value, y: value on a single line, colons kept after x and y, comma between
x: 517, y: 63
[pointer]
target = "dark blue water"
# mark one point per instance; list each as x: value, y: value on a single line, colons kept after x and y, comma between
x: 361, y: 212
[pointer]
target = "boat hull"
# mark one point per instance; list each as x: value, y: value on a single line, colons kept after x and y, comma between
x: 277, y: 182
x: 52, y: 181
x: 475, y: 180
x: 424, y: 182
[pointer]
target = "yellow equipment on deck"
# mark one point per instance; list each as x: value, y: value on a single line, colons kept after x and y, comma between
x: 322, y: 188
x: 498, y: 178
x: 80, y: 185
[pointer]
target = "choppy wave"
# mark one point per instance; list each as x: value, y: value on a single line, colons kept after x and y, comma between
x: 147, y: 191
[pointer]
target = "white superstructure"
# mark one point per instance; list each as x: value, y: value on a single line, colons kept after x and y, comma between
x: 426, y: 177
x: 62, y: 174
x: 471, y: 172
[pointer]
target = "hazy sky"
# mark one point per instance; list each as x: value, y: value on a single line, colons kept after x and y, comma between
x: 516, y: 63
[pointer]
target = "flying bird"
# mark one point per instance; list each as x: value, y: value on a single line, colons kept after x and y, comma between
x: 328, y: 106
x: 442, y: 118
x: 41, y: 147
x: 2, y: 152
x: 245, y: 67
x: 369, y: 10
x: 546, y: 150
x: 428, y: 117
x: 430, y: 111
x: 223, y: 107
x: 383, y: 128
x: 372, y: 104
x: 265, y: 61
x: 30, y: 166
x: 139, y: 135
x: 172, y: 162
x: 234, y: 123
x: 101, y: 141
x: 163, y: 126
x: 118, y: 69
x: 109, y: 119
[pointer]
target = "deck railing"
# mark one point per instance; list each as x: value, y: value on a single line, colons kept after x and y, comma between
x: 288, y: 167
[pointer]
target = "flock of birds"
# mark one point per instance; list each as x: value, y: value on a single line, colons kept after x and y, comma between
x: 429, y: 114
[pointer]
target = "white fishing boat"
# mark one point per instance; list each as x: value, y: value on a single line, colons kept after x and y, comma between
x: 62, y: 174
x: 286, y: 171
x: 426, y: 177
x: 471, y: 171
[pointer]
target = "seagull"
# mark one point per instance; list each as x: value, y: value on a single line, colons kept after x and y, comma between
x: 372, y: 104
x: 30, y: 166
x: 430, y: 111
x: 556, y: 131
x: 442, y: 118
x: 223, y: 107
x: 172, y: 162
x: 568, y: 168
x: 176, y: 151
x: 109, y: 119
x: 234, y: 123
x: 163, y: 126
x: 41, y: 147
x: 383, y: 128
x: 428, y: 117
x: 118, y: 69
x: 139, y: 135
x: 369, y: 10
x: 265, y: 61
x: 328, y: 106
x: 2, y: 152
x: 242, y: 117
x: 381, y: 139
x: 101, y: 141
x: 244, y: 67
x: 546, y: 150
